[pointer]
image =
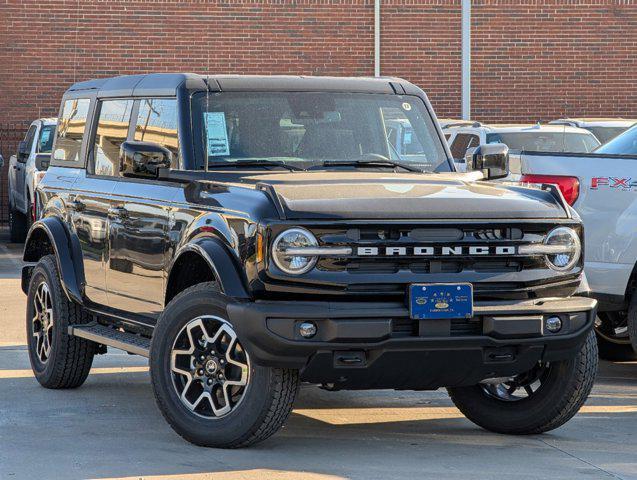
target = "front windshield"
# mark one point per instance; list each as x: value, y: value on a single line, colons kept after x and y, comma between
x: 625, y: 144
x: 546, y: 141
x: 310, y: 130
x: 604, y: 134
x: 46, y: 139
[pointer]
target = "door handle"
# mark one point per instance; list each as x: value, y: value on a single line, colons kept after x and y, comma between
x: 119, y: 212
x: 77, y: 205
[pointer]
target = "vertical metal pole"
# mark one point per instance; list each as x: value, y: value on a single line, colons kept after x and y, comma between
x: 466, y: 59
x: 377, y: 38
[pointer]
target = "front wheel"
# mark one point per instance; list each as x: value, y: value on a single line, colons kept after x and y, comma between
x: 533, y: 402
x: 204, y: 381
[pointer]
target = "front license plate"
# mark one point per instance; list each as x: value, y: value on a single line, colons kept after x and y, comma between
x: 440, y: 300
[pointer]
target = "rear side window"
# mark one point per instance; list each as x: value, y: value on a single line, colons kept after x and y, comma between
x: 112, y: 131
x: 46, y: 139
x: 461, y: 143
x: 71, y: 125
x: 157, y: 123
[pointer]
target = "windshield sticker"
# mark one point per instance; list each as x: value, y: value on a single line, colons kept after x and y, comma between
x: 407, y: 106
x: 216, y: 134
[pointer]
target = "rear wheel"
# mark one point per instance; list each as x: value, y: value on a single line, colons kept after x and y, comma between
x: 58, y: 360
x: 17, y: 226
x: 613, y: 340
x: 205, y: 383
x: 533, y: 402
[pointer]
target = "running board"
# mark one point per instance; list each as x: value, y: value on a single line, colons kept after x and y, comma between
x: 129, y: 342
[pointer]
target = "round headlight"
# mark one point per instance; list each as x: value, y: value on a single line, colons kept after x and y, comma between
x: 566, y: 257
x: 293, y: 238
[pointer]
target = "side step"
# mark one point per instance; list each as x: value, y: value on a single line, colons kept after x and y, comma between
x: 128, y: 342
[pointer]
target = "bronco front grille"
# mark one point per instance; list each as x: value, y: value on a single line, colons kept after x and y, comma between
x: 405, y: 241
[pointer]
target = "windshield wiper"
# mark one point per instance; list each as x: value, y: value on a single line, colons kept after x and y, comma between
x: 370, y: 160
x: 255, y: 163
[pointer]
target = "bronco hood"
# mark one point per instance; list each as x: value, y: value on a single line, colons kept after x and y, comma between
x: 371, y: 195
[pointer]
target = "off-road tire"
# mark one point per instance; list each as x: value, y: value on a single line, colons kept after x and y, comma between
x: 267, y: 400
x: 17, y: 226
x: 71, y: 357
x: 567, y: 386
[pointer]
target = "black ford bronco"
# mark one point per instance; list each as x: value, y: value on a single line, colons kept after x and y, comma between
x: 251, y: 233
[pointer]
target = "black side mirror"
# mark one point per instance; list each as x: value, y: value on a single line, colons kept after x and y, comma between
x: 143, y: 159
x: 42, y: 161
x: 492, y: 160
x: 23, y: 151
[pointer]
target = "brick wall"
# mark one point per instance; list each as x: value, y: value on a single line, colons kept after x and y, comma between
x: 532, y: 59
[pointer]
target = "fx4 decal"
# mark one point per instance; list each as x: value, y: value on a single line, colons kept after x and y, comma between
x: 613, y: 182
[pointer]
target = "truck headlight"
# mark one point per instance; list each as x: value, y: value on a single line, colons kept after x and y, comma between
x: 563, y: 248
x: 294, y: 238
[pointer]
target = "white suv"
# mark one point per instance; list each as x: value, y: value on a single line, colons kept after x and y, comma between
x: 532, y: 137
x: 604, y: 129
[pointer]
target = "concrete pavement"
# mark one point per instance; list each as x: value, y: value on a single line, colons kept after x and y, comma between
x: 110, y: 428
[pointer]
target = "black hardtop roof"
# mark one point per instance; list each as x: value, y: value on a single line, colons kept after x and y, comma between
x: 167, y: 84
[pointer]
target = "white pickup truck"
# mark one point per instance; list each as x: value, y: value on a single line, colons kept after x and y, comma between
x: 602, y: 187
x: 26, y: 169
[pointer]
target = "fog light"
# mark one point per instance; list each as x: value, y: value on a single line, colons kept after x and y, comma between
x: 553, y: 324
x: 307, y: 329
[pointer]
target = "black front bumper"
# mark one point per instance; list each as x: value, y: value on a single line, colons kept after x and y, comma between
x: 377, y: 345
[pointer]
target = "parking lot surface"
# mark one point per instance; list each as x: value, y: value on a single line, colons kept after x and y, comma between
x: 110, y: 427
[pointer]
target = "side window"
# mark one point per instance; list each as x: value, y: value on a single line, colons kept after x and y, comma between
x: 474, y: 142
x: 157, y: 123
x: 70, y: 130
x: 29, y: 137
x: 46, y: 139
x: 461, y: 143
x: 112, y: 131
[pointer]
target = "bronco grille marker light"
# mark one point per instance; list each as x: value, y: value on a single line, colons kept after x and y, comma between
x: 569, y: 186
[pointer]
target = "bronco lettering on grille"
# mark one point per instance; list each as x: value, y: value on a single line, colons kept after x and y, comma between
x: 437, y: 251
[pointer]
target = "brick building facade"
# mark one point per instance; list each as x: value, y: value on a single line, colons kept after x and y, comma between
x: 531, y: 59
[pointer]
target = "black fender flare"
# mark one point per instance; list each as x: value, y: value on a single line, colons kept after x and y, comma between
x: 222, y: 262
x: 67, y: 250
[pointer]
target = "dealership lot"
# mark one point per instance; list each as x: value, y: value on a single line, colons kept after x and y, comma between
x: 329, y: 435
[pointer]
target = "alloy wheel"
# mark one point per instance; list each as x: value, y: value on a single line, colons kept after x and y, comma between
x: 42, y: 322
x: 613, y: 327
x: 518, y: 387
x: 209, y: 367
